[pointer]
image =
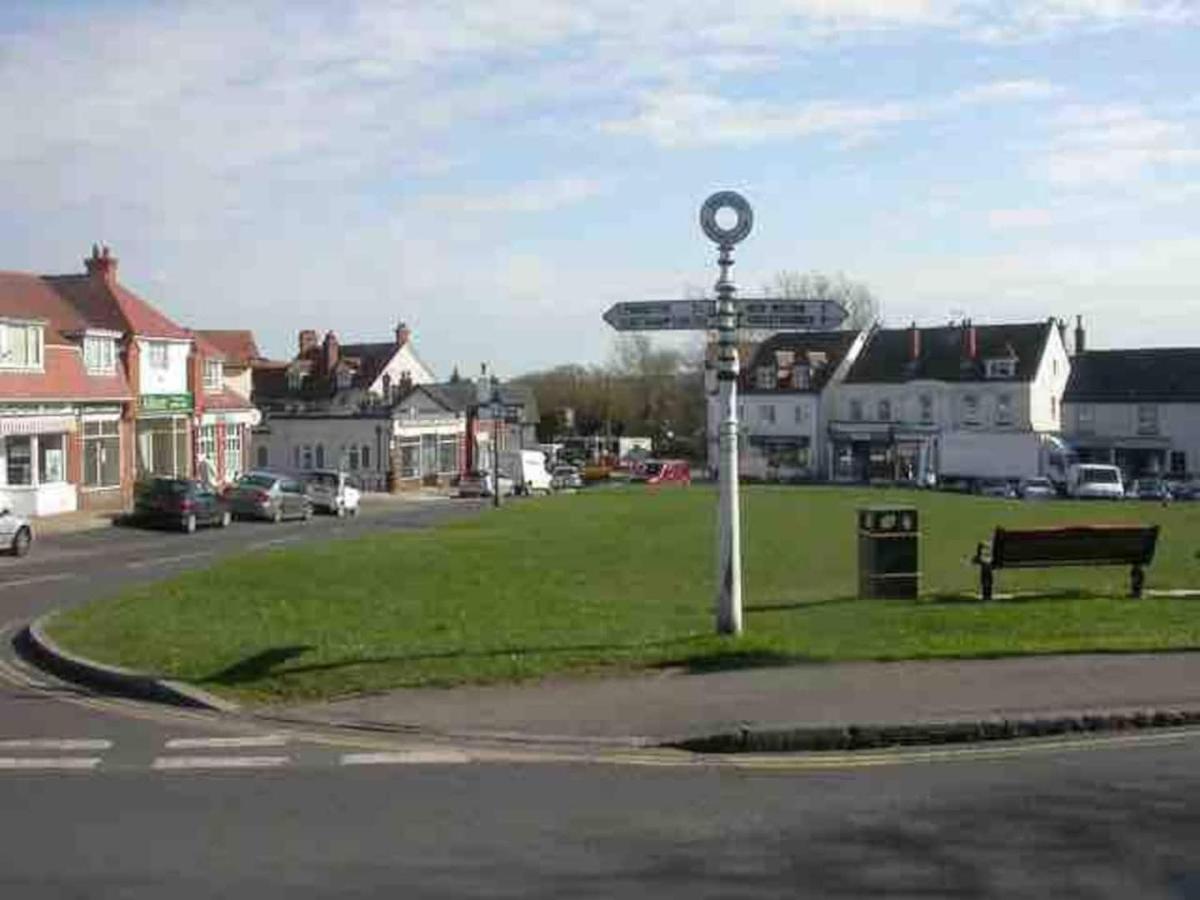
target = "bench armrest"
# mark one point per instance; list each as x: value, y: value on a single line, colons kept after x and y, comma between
x: 983, y: 554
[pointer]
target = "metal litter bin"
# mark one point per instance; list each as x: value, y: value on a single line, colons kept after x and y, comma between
x: 889, y: 560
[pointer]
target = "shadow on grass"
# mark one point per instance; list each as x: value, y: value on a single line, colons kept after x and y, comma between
x: 256, y: 667
x: 952, y: 598
x: 797, y: 604
x: 732, y: 660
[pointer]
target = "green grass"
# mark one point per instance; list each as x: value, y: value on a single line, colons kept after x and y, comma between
x: 624, y: 579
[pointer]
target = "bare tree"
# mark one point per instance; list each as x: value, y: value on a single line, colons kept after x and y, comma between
x: 860, y: 302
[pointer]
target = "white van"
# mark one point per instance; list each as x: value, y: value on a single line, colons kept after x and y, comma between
x: 1095, y: 481
x: 528, y: 471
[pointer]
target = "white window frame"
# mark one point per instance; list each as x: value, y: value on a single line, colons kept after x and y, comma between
x: 765, y: 378
x: 99, y: 355
x: 1004, y: 409
x: 35, y: 348
x: 1001, y: 368
x: 233, y: 452
x: 970, y: 409
x: 766, y: 414
x: 158, y: 354
x: 926, y: 403
x: 883, y: 409
x: 1085, y: 418
x: 1147, y: 418
x: 213, y: 374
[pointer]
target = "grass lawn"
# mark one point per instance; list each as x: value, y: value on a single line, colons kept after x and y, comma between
x: 624, y: 579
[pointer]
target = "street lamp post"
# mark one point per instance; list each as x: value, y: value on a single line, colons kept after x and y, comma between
x: 729, y: 551
x: 497, y: 416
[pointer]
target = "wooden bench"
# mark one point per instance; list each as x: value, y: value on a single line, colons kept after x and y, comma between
x: 1072, y: 545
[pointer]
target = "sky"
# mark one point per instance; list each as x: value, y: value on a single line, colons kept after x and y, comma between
x: 498, y: 174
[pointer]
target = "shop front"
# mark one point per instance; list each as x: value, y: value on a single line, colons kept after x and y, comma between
x: 223, y: 445
x: 428, y: 450
x: 164, y: 446
x: 33, y: 461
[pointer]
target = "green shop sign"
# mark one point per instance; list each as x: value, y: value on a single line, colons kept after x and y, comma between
x: 163, y: 403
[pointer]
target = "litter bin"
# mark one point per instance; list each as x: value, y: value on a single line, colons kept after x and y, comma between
x: 888, y: 552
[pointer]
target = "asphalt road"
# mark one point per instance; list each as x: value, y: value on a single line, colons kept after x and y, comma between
x: 1103, y: 823
x: 110, y: 799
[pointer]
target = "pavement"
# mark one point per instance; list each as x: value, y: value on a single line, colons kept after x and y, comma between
x: 676, y: 707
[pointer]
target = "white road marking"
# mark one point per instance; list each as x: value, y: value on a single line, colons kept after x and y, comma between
x: 35, y: 579
x: 405, y: 757
x: 263, y: 740
x: 167, y: 560
x: 49, y: 762
x: 171, y: 763
x: 55, y: 744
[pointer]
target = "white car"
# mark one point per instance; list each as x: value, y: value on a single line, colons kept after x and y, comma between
x: 332, y: 492
x: 16, y: 534
x: 1090, y: 481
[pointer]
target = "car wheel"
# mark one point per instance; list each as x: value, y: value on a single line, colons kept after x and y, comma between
x: 277, y: 517
x: 226, y: 518
x: 21, y: 542
x: 189, y: 524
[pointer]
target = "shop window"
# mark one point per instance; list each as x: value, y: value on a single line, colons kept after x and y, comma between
x: 101, y: 454
x: 233, y: 452
x: 410, y: 449
x: 100, y: 355
x: 207, y: 443
x: 448, y: 454
x: 20, y: 346
x: 1178, y: 462
x: 52, y: 459
x: 20, y: 460
x: 429, y: 453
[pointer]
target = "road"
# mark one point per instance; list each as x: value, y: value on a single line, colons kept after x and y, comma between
x: 112, y: 799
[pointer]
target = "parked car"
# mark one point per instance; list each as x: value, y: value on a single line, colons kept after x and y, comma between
x: 267, y: 495
x: 179, y: 503
x: 1037, y: 489
x: 1095, y: 481
x: 1148, y: 489
x: 566, y: 478
x: 479, y: 484
x: 1184, y: 490
x: 664, y: 471
x: 997, y: 487
x: 528, y: 469
x: 332, y: 491
x: 16, y: 533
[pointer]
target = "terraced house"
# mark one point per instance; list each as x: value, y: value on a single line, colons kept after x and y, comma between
x: 97, y: 388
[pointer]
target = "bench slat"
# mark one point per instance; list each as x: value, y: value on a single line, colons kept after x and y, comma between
x: 1074, y: 545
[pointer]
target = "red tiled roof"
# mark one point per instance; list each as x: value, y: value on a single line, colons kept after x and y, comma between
x: 24, y: 296
x: 106, y: 304
x: 207, y: 349
x: 237, y: 344
x: 227, y: 400
x: 64, y: 378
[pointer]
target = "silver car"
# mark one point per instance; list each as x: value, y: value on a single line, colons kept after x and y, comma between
x: 16, y: 534
x: 332, y: 492
x: 266, y: 495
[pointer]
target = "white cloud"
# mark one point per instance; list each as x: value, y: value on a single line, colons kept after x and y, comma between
x: 1017, y: 218
x: 529, y: 197
x: 1116, y: 144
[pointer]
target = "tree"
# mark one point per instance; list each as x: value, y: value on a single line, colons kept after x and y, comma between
x: 860, y: 302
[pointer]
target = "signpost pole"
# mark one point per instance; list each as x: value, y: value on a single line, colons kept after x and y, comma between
x: 729, y: 550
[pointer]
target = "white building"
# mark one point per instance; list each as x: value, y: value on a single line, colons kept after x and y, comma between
x: 784, y: 397
x: 1136, y: 409
x: 910, y: 387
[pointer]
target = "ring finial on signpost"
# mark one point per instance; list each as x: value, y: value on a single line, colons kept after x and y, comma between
x: 726, y: 237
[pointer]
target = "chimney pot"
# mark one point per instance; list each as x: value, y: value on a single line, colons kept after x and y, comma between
x: 914, y: 342
x: 307, y: 341
x: 403, y: 333
x: 970, y: 340
x: 101, y: 264
x: 1080, y: 337
x: 330, y: 352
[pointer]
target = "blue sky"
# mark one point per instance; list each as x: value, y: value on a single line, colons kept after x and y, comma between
x: 498, y: 174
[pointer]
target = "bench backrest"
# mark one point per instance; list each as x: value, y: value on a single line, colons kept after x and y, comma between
x: 1074, y: 545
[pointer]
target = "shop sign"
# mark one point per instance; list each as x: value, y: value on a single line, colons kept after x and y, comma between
x: 166, y: 403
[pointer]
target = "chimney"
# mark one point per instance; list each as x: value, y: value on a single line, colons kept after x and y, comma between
x: 402, y: 334
x: 329, y: 355
x: 308, y: 341
x: 914, y: 343
x: 1062, y: 331
x: 102, y: 264
x: 970, y: 340
x: 1080, y: 344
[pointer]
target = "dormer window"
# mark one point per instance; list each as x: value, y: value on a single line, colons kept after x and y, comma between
x: 344, y: 378
x: 1001, y: 368
x: 765, y: 378
x: 213, y: 371
x: 99, y: 355
x: 20, y: 346
x: 801, y: 378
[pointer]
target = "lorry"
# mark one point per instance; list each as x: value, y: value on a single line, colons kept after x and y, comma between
x: 970, y: 458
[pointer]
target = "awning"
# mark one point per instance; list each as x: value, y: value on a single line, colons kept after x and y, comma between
x: 232, y: 417
x: 10, y: 425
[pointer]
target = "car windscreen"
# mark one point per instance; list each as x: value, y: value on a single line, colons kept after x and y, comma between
x: 652, y: 468
x: 1098, y: 476
x: 258, y: 481
x: 323, y: 479
x: 167, y: 486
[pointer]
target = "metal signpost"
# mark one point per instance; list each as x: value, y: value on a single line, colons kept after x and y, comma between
x: 725, y: 316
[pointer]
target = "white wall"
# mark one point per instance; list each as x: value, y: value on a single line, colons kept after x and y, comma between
x: 171, y: 380
x: 1050, y: 382
x: 1178, y: 423
x: 404, y: 361
x: 281, y: 435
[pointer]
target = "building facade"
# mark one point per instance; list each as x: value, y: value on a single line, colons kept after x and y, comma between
x: 911, y: 388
